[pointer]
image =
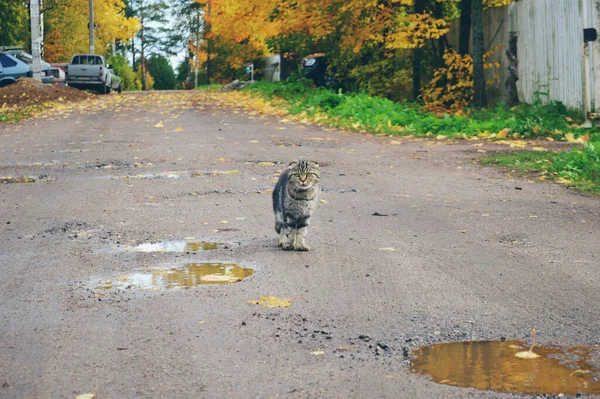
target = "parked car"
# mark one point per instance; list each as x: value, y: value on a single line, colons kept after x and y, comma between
x: 46, y: 68
x: 89, y: 71
x: 11, y: 69
x: 116, y: 80
x: 314, y: 67
x: 58, y: 71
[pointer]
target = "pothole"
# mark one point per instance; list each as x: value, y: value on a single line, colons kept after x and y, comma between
x: 492, y: 365
x: 176, y: 246
x: 176, y: 277
x: 181, y: 174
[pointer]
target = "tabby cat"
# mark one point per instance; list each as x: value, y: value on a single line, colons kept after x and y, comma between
x: 294, y: 200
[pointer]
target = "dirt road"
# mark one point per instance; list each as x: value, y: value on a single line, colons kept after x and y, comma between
x: 413, y: 243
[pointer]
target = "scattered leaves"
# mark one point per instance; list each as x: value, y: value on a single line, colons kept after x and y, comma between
x: 271, y: 302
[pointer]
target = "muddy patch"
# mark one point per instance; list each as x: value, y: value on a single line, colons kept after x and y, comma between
x: 492, y: 365
x: 181, y: 246
x: 176, y: 277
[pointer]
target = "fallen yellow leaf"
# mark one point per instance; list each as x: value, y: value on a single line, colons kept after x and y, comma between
x: 86, y: 396
x: 266, y: 163
x: 527, y: 355
x: 271, y: 302
x: 324, y: 201
x: 502, y: 134
x: 159, y: 124
x: 318, y: 352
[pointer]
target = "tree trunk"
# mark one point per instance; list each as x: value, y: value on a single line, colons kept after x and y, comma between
x: 512, y: 95
x: 208, y: 42
x: 478, y: 50
x: 142, y: 60
x: 417, y: 57
x: 465, y: 27
x: 442, y: 42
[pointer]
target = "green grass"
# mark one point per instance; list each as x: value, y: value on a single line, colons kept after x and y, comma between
x: 359, y: 111
x: 211, y: 86
x: 579, y: 167
x: 14, y: 115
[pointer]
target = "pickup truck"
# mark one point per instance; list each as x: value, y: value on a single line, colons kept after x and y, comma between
x: 89, y: 71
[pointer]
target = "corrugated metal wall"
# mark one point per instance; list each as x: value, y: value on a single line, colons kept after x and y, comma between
x: 550, y: 50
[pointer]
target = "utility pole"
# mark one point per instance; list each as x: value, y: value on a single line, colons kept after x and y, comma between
x: 36, y: 40
x: 91, y: 25
x: 142, y: 60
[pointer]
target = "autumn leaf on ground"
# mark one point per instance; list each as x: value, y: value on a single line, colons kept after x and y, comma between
x: 271, y: 302
x: 266, y: 163
x: 502, y: 134
x: 179, y: 129
x: 529, y: 354
x: 526, y: 355
x: 318, y: 352
x: 159, y: 124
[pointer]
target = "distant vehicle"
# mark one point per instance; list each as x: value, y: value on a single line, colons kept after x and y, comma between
x: 116, y: 80
x: 46, y: 68
x: 11, y: 69
x: 314, y: 67
x: 58, y: 71
x: 89, y: 71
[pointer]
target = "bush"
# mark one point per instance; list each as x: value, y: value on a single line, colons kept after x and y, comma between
x: 125, y: 72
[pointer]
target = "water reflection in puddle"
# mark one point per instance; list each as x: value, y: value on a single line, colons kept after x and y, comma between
x: 183, y: 276
x: 492, y: 365
x: 176, y: 246
x: 181, y: 175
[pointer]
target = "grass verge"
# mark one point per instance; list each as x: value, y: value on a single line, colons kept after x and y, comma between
x: 579, y: 167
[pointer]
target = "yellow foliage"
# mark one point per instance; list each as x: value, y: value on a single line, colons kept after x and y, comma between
x: 496, y: 3
x: 67, y: 31
x: 138, y: 79
x: 451, y: 87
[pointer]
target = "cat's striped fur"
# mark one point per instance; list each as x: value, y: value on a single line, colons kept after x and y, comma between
x: 294, y: 199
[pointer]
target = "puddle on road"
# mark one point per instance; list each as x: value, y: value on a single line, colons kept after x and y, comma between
x: 176, y: 246
x: 174, y: 277
x: 181, y: 175
x: 10, y: 180
x: 492, y: 365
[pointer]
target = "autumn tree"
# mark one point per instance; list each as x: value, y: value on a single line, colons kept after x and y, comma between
x: 66, y: 30
x: 152, y: 16
x: 480, y: 97
x: 14, y: 28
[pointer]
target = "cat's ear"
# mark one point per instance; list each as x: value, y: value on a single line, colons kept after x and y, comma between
x: 292, y: 164
x: 313, y: 163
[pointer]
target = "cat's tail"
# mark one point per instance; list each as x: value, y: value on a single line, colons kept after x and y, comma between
x: 277, y: 227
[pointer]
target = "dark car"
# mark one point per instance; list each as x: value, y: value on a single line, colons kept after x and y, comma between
x: 314, y: 67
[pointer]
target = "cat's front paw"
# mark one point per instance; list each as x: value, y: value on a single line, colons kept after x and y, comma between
x: 287, y: 246
x: 302, y: 246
